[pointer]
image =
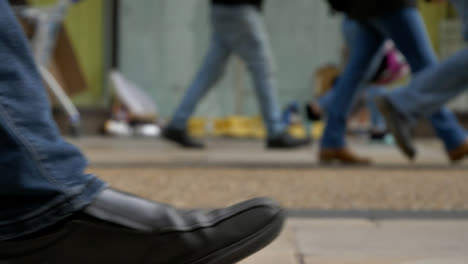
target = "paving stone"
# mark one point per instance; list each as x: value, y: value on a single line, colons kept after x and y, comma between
x: 439, y: 261
x: 354, y: 260
x: 391, y: 239
x: 282, y: 251
x: 272, y: 257
x: 379, y: 260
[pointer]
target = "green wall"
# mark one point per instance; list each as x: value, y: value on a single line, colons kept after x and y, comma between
x: 85, y: 25
x: 433, y: 14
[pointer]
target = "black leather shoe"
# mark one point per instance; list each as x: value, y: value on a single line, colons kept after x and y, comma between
x: 182, y: 138
x: 120, y: 228
x: 285, y: 141
x: 398, y: 125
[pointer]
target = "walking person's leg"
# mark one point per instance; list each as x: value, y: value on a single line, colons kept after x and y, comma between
x: 431, y: 89
x: 350, y: 29
x: 367, y: 43
x: 407, y: 30
x: 211, y: 71
x: 252, y: 44
x: 52, y: 212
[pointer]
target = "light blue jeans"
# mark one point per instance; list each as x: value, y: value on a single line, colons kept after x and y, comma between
x: 236, y: 30
x: 434, y: 87
x: 42, y: 178
x: 406, y: 28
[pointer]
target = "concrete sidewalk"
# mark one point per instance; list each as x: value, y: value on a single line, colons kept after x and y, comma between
x: 233, y: 170
x: 338, y: 241
x: 222, y: 152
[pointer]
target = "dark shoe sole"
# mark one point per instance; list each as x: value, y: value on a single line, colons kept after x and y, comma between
x: 340, y: 162
x: 305, y: 143
x: 387, y: 111
x: 181, y: 144
x: 247, y: 246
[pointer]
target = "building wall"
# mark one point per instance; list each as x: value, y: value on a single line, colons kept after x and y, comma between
x: 163, y: 43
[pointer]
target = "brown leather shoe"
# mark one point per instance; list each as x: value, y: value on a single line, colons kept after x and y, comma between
x: 459, y: 153
x: 343, y: 155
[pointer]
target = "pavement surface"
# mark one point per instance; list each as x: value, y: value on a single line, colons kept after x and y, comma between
x: 393, y: 212
x: 124, y: 152
x: 358, y: 241
x: 232, y: 170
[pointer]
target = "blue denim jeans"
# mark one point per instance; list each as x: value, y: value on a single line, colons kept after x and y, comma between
x: 240, y: 31
x: 42, y: 177
x: 350, y: 30
x: 406, y: 28
x: 370, y: 92
x: 434, y: 87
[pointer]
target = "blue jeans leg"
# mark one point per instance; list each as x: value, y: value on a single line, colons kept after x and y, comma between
x: 325, y: 100
x: 352, y: 31
x: 253, y: 46
x: 367, y: 43
x: 237, y: 30
x: 431, y: 89
x: 210, y: 72
x: 42, y: 177
x: 407, y: 30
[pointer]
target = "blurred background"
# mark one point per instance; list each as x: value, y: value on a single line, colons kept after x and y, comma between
x: 159, y: 44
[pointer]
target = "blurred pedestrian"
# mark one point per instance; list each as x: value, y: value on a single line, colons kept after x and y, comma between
x: 386, y: 67
x: 427, y: 93
x: 400, y: 21
x: 237, y: 28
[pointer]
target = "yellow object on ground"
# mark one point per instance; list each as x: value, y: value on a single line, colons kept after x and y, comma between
x: 297, y: 131
x: 239, y: 127
x: 197, y: 126
x: 317, y: 130
x: 245, y: 127
x: 300, y: 131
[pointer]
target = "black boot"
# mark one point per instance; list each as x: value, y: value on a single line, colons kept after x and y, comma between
x: 182, y: 138
x: 286, y: 141
x: 120, y: 228
x: 398, y: 125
